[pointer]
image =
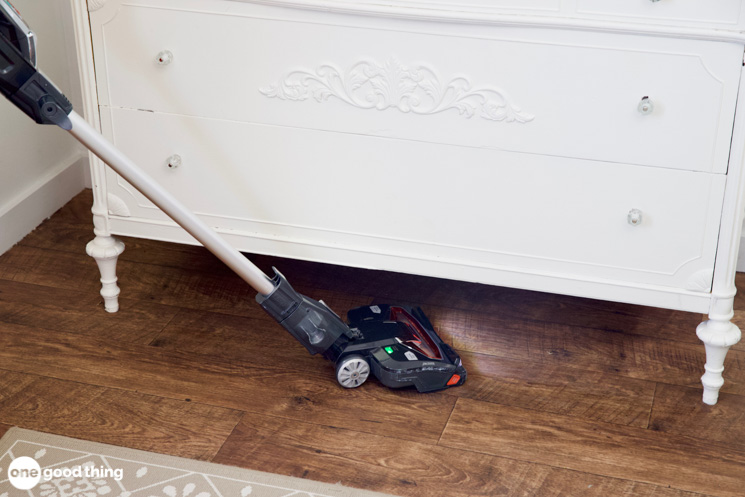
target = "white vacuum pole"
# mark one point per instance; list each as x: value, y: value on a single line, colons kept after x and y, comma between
x: 311, y: 322
x: 127, y: 169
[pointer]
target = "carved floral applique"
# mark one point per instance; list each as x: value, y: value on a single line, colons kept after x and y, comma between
x: 372, y: 85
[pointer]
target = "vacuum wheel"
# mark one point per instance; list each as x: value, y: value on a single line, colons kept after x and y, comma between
x: 352, y: 371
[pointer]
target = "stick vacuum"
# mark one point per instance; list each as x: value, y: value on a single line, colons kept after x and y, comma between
x: 397, y: 343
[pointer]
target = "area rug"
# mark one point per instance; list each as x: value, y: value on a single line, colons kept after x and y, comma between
x: 67, y: 467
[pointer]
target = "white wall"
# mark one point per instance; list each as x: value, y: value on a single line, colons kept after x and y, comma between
x: 41, y: 167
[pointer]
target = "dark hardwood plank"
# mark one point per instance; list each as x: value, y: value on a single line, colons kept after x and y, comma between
x: 218, y: 291
x: 634, y: 356
x: 77, y: 210
x: 679, y: 410
x: 604, y: 449
x: 590, y: 395
x: 4, y: 428
x: 407, y: 468
x: 81, y: 313
x: 641, y: 357
x: 539, y: 308
x: 71, y: 271
x: 225, y: 337
x: 11, y: 384
x: 740, y: 296
x: 145, y: 282
x: 119, y: 417
x: 509, y: 304
x: 277, y: 389
x: 739, y: 320
x: 586, y: 394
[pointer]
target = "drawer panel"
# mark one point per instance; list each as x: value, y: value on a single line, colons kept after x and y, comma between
x: 527, y: 6
x: 332, y: 193
x: 535, y: 91
x: 721, y: 12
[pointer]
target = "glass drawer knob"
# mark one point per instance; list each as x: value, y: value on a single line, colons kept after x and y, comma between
x: 635, y: 217
x: 164, y: 58
x: 645, y: 106
x: 174, y: 161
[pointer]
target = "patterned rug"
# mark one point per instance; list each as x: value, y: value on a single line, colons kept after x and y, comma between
x: 64, y: 467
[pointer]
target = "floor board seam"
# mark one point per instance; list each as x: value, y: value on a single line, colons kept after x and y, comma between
x: 445, y: 426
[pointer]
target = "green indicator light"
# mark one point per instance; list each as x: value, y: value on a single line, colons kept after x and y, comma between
x: 389, y: 350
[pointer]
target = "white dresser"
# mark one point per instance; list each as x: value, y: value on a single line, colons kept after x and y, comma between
x: 583, y: 147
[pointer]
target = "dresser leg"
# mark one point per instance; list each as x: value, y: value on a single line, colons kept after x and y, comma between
x: 718, y: 335
x: 106, y: 250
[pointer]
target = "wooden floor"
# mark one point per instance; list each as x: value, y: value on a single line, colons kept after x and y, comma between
x: 565, y: 396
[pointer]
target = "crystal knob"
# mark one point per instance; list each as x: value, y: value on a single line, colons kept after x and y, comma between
x: 174, y: 161
x: 645, y: 106
x: 164, y: 58
x: 635, y: 217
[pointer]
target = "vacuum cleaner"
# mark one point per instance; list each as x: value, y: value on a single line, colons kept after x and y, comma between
x: 397, y: 343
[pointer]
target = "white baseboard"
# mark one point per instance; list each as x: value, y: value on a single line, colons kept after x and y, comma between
x: 24, y: 212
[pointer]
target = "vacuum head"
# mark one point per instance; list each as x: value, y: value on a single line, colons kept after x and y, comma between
x: 397, y: 343
x: 17, y: 32
x: 402, y: 349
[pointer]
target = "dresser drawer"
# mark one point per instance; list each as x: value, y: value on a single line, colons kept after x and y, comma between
x: 566, y: 94
x: 710, y: 12
x: 283, y: 191
x: 488, y: 6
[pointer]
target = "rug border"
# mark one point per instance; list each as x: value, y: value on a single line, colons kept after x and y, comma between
x: 321, y: 489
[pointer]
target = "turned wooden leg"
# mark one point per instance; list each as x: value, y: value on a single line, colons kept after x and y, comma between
x: 106, y: 250
x: 718, y: 334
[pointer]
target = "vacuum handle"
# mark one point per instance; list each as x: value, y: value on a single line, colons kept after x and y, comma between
x: 29, y: 90
x: 316, y: 326
x: 128, y: 170
x: 20, y: 81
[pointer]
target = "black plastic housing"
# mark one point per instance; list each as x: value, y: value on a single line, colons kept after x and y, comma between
x: 30, y: 90
x: 394, y: 363
x: 311, y: 322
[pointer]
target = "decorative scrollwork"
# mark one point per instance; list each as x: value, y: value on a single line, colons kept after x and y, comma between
x: 372, y: 85
x: 117, y: 206
x: 94, y: 5
x: 700, y: 281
